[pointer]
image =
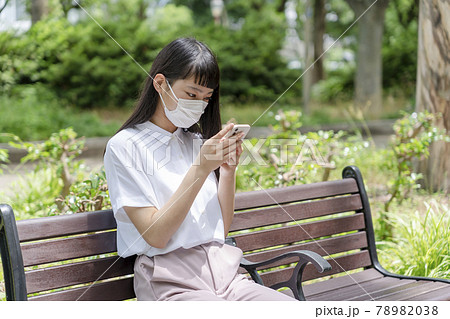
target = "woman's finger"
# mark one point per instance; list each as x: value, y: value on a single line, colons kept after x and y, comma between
x: 239, y: 149
x: 223, y: 131
x: 230, y: 147
x: 231, y: 158
x: 231, y: 150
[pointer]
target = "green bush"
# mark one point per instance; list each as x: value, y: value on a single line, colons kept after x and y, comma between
x: 88, y: 195
x: 413, y: 136
x: 337, y: 86
x: 33, y: 193
x: 58, y: 183
x: 289, y: 157
x: 251, y: 68
x: 81, y: 63
x: 27, y: 58
x: 399, y: 51
x: 86, y: 68
x: 33, y: 112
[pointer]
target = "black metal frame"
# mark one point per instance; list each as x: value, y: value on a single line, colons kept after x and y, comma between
x: 354, y: 172
x: 295, y: 282
x: 11, y: 254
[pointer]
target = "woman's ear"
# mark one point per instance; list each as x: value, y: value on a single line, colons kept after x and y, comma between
x: 158, y: 80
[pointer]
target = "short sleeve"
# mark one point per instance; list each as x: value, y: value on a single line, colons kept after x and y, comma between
x: 127, y: 185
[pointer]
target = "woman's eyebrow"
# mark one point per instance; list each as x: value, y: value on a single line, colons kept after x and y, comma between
x: 198, y: 90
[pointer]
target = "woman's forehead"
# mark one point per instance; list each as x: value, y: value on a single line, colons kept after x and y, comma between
x: 190, y: 83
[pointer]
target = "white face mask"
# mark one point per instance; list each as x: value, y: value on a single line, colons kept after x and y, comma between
x: 187, y: 112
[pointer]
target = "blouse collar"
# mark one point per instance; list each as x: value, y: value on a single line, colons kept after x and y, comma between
x: 164, y: 136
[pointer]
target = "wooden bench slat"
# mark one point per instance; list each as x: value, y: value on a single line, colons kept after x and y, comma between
x: 289, y: 234
x: 418, y: 287
x: 116, y: 290
x: 276, y: 215
x: 340, y: 264
x: 405, y: 287
x: 88, y: 271
x: 341, y: 282
x: 323, y: 247
x: 347, y: 262
x: 68, y: 248
x: 78, y: 273
x: 439, y: 292
x: 361, y: 291
x: 283, y: 195
x: 367, y: 290
x: 65, y: 225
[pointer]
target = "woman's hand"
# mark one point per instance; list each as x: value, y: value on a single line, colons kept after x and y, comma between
x: 217, y: 150
x: 229, y: 167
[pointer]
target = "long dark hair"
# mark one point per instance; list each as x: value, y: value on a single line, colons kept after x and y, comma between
x: 182, y: 59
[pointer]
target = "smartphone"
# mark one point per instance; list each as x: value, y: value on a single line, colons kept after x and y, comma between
x: 237, y: 128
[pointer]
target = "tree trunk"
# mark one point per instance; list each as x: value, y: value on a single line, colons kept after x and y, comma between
x: 142, y: 8
x: 368, y: 77
x: 433, y: 86
x: 319, y: 31
x: 39, y: 9
x: 309, y: 57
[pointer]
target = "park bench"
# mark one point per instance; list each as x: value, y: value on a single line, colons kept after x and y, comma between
x: 331, y: 218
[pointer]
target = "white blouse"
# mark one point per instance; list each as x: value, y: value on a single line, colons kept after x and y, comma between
x: 144, y: 166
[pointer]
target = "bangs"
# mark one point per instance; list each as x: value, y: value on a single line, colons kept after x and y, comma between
x: 204, y: 70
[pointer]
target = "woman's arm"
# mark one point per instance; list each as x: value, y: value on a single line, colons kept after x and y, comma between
x: 226, y: 193
x: 227, y: 185
x: 158, y: 226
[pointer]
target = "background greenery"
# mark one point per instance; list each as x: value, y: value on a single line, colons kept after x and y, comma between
x: 78, y: 69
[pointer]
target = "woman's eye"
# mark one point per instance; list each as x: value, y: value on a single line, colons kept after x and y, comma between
x: 192, y: 95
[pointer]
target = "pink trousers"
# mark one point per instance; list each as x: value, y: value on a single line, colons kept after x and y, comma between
x: 204, y: 272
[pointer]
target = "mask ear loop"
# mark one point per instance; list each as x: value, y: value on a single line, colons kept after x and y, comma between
x: 170, y: 87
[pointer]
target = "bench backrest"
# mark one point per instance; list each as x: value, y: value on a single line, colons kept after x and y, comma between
x: 331, y: 218
x: 327, y: 217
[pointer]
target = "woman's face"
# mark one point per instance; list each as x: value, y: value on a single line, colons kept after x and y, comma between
x: 184, y: 89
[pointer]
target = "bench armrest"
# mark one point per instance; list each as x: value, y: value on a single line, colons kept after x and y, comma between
x: 11, y: 255
x: 295, y: 282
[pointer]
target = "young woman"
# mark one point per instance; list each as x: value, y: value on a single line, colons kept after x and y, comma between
x: 171, y: 179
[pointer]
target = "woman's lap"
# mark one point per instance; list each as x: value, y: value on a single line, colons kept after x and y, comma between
x: 204, y: 272
x: 244, y: 289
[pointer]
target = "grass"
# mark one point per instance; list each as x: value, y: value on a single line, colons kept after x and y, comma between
x: 320, y: 113
x: 34, y: 113
x: 421, y: 243
x: 44, y: 113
